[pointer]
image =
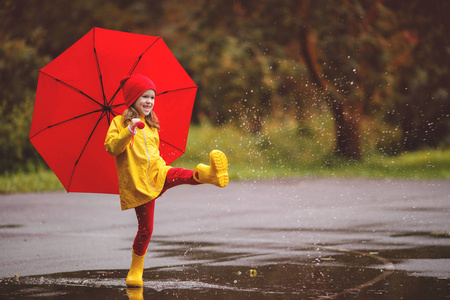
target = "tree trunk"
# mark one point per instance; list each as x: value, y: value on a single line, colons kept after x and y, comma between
x: 346, y: 116
x: 347, y: 130
x: 264, y: 109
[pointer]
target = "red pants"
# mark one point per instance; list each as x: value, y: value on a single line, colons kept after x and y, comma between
x: 145, y: 212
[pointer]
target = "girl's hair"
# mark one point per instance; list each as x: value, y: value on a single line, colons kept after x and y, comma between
x: 130, y: 113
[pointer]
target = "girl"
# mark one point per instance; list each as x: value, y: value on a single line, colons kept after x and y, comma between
x: 143, y: 174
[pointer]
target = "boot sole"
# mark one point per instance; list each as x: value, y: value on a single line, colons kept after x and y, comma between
x: 220, y: 163
x: 134, y: 283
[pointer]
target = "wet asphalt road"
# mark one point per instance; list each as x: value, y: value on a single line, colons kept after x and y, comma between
x: 275, y: 239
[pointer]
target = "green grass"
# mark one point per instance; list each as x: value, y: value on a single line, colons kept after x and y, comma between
x: 23, y: 182
x: 276, y: 152
x: 288, y: 153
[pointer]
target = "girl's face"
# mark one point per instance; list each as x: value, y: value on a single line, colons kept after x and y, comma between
x: 144, y: 104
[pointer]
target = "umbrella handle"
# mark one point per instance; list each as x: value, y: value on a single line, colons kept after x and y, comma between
x: 139, y: 125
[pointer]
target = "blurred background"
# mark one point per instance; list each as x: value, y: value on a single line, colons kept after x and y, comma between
x: 286, y: 88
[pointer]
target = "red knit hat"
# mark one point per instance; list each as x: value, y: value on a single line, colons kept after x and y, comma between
x: 133, y: 86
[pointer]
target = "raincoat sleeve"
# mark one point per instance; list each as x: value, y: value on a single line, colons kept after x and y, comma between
x: 118, y: 137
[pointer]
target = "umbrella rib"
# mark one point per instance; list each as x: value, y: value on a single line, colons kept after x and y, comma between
x: 82, y: 151
x: 98, y: 68
x: 113, y: 112
x: 72, y: 87
x: 177, y: 90
x: 173, y: 146
x: 71, y: 119
x: 133, y: 68
x: 113, y: 97
x: 116, y: 105
x: 140, y: 56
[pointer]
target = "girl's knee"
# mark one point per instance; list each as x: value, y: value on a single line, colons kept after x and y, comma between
x: 145, y: 233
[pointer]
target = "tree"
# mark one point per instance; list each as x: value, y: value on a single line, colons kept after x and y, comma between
x: 240, y: 73
x: 383, y: 63
x: 19, y: 66
x: 33, y: 32
x: 349, y: 50
x: 422, y: 106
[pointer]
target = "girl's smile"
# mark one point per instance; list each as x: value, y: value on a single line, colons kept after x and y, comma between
x: 144, y: 104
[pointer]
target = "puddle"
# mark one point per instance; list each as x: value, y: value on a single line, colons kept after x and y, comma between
x: 280, y: 281
x: 434, y: 234
x: 10, y: 226
x: 332, y: 274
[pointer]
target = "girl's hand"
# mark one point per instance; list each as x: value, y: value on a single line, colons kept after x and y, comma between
x: 132, y: 126
x: 134, y: 121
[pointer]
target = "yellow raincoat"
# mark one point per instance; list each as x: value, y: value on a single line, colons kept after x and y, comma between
x: 141, y: 170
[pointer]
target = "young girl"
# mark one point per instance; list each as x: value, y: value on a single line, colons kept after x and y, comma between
x: 143, y: 174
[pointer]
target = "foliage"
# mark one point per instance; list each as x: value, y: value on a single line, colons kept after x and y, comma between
x: 387, y: 61
x: 421, y: 97
x: 287, y: 152
x: 19, y: 65
x: 242, y: 79
x: 363, y: 48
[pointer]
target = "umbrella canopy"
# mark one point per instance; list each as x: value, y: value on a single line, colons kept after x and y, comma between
x: 78, y: 94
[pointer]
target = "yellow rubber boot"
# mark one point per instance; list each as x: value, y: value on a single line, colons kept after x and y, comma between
x: 216, y: 173
x: 134, y: 278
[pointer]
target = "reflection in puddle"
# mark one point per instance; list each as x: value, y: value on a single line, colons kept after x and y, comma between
x: 135, y: 293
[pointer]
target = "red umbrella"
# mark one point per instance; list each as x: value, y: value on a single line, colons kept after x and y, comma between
x: 78, y: 94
